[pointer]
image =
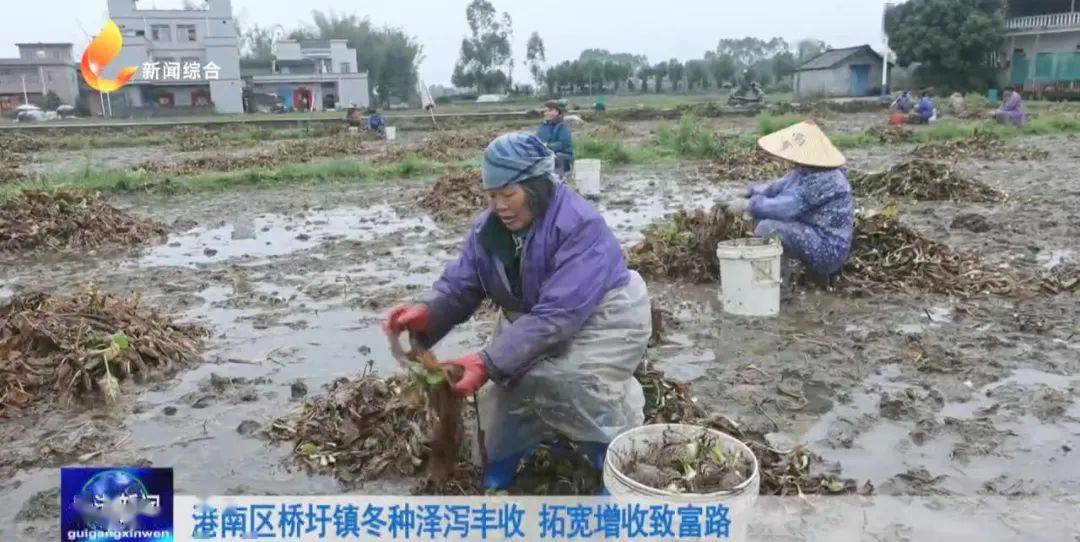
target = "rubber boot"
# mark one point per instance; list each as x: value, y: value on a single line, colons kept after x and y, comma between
x: 499, y: 474
x: 596, y: 452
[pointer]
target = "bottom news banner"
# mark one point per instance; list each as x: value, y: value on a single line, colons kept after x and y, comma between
x: 139, y: 504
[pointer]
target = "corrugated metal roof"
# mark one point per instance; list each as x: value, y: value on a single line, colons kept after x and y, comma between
x: 832, y: 57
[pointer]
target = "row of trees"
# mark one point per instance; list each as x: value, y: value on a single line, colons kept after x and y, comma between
x: 598, y: 70
x: 387, y: 54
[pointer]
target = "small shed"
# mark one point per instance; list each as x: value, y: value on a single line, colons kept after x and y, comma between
x: 853, y: 71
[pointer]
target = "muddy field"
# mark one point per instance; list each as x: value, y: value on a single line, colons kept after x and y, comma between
x: 917, y: 394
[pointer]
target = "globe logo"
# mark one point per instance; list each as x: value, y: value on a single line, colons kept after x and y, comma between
x: 113, y: 501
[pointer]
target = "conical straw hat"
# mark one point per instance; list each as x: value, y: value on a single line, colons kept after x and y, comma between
x: 804, y: 144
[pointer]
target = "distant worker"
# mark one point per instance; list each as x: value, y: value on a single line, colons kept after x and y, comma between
x: 810, y: 209
x: 555, y: 134
x: 924, y: 110
x: 376, y: 123
x: 903, y: 102
x: 956, y: 104
x: 600, y: 103
x: 1012, y: 109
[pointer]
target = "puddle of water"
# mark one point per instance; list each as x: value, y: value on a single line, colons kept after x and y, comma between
x: 1053, y: 258
x: 277, y: 234
x: 1033, y: 454
x: 650, y: 202
x: 684, y: 365
x: 1024, y: 376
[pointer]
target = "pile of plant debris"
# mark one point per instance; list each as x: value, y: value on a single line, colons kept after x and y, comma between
x: 922, y: 180
x: 13, y: 150
x: 19, y: 143
x: 70, y: 219
x: 285, y: 152
x: 885, y: 253
x: 783, y: 472
x: 369, y: 427
x: 608, y: 128
x: 187, y: 139
x: 444, y: 146
x: 684, y: 248
x: 745, y: 165
x: 86, y: 342
x: 455, y: 195
x: 891, y: 134
x: 980, y: 145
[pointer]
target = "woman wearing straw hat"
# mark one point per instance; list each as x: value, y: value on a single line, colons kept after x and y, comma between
x: 810, y: 209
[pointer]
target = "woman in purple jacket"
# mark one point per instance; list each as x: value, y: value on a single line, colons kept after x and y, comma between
x: 575, y: 321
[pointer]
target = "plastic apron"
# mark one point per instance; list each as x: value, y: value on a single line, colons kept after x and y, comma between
x: 584, y: 390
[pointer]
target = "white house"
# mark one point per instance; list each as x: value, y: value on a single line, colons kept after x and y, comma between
x: 1043, y: 40
x: 852, y: 71
x: 186, y: 58
x: 314, y: 74
x: 40, y: 69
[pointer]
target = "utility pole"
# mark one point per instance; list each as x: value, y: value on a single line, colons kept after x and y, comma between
x: 885, y: 55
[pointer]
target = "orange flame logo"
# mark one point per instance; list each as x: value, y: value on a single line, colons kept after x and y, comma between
x: 98, y: 54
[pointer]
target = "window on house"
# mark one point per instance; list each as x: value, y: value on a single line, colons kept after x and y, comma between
x: 345, y: 67
x: 160, y: 32
x: 140, y: 33
x: 186, y: 32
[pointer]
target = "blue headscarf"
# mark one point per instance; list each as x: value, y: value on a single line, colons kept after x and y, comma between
x: 516, y: 157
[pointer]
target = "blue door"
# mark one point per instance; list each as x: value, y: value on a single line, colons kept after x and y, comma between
x: 860, y: 79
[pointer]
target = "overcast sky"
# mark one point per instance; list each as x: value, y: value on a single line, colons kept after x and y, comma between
x: 660, y: 29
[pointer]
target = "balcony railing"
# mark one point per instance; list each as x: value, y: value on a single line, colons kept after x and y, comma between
x: 1044, y: 22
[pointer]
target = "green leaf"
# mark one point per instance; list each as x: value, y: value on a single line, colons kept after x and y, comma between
x: 120, y: 341
x: 434, y: 379
x: 308, y: 448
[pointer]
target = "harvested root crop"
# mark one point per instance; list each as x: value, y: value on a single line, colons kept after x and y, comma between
x: 70, y: 219
x: 684, y: 248
x: 455, y: 195
x: 746, y: 165
x: 922, y: 180
x: 885, y: 253
x: 981, y: 146
x: 702, y: 465
x: 86, y: 342
x: 783, y: 472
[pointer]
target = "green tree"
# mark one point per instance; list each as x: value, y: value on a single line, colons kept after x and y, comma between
x: 535, y: 58
x: 676, y: 70
x: 257, y: 45
x: 659, y: 71
x: 783, y: 65
x: 486, y: 54
x: 697, y: 74
x: 644, y: 73
x: 954, y: 40
x: 722, y: 68
x: 809, y: 48
x: 387, y: 54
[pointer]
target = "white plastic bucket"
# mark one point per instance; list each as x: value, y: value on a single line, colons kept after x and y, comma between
x: 750, y: 276
x: 739, y: 500
x: 587, y: 177
x: 391, y: 133
x: 353, y: 129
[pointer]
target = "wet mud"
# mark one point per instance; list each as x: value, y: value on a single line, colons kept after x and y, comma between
x: 914, y: 392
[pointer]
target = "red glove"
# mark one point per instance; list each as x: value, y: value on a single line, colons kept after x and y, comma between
x: 410, y: 317
x: 474, y: 377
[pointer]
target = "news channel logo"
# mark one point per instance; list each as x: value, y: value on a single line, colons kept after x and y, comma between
x: 116, y: 503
